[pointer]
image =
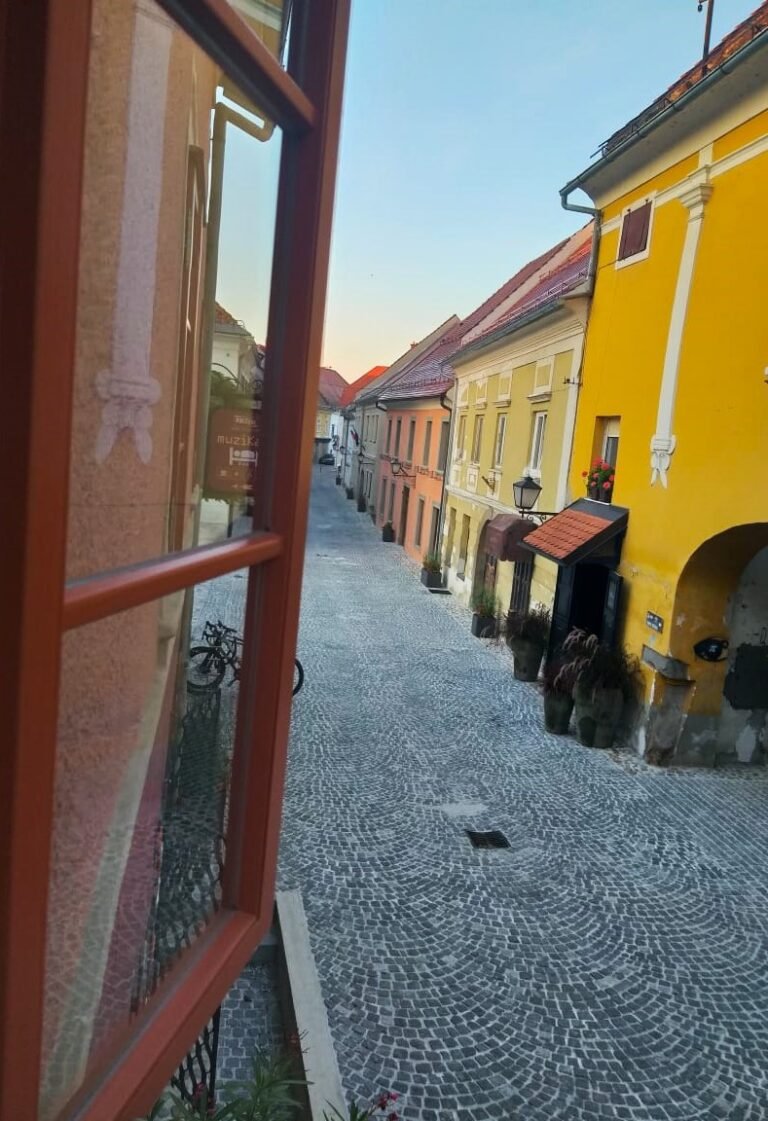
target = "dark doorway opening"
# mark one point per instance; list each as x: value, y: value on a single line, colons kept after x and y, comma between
x: 403, y: 516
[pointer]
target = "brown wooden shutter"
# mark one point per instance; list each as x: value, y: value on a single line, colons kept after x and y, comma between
x: 634, y: 231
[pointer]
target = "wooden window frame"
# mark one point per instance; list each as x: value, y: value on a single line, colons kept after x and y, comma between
x: 626, y: 253
x: 389, y: 434
x: 427, y: 450
x: 46, y: 54
x: 461, y: 436
x: 411, y: 440
x: 418, y: 529
x: 398, y: 434
x: 499, y: 439
x: 477, y: 439
x: 538, y: 436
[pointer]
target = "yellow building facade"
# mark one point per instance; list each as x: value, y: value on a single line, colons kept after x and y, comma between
x: 676, y: 374
x: 515, y: 397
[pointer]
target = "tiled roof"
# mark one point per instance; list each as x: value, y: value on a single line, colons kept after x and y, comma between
x: 753, y: 25
x: 351, y: 391
x: 578, y: 531
x: 331, y: 387
x: 223, y: 318
x: 433, y: 375
x: 565, y: 533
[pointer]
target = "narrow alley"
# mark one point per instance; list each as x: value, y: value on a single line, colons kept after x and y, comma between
x: 611, y: 963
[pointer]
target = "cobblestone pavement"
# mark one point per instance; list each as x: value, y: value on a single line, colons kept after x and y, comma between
x: 612, y: 963
x: 250, y: 1022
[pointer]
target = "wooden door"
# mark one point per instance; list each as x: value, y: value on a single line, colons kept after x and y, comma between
x: 403, y: 515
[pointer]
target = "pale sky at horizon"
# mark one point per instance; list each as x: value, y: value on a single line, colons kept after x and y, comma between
x: 461, y: 122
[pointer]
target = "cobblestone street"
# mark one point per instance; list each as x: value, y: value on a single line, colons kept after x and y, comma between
x: 610, y: 964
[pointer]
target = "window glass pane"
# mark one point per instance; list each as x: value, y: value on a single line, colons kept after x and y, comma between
x: 146, y: 732
x: 270, y: 20
x: 179, y: 204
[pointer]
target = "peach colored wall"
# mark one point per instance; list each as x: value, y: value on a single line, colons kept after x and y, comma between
x: 427, y: 482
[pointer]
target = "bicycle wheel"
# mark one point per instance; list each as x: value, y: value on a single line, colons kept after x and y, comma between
x: 206, y: 669
x: 298, y: 677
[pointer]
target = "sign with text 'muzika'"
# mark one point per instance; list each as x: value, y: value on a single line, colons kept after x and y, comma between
x: 233, y: 451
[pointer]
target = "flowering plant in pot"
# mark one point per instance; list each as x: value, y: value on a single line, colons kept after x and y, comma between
x: 431, y: 570
x: 600, y: 479
x: 558, y: 679
x: 384, y: 1106
x: 526, y: 634
x: 388, y: 532
x: 350, y: 492
x: 484, y: 612
x: 604, y: 679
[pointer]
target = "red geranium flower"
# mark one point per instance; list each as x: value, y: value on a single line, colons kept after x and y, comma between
x: 606, y: 486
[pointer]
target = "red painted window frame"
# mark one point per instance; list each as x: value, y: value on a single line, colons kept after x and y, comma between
x: 44, y: 51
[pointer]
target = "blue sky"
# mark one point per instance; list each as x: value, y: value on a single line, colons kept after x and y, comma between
x: 462, y: 120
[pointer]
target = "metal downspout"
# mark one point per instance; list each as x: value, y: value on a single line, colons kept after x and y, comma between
x: 441, y: 515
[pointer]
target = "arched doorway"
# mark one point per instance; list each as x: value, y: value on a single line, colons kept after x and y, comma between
x: 485, y: 564
x: 722, y: 594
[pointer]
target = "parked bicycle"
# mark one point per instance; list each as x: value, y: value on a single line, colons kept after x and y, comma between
x: 208, y: 663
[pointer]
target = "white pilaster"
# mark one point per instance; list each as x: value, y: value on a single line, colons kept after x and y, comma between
x: 664, y: 442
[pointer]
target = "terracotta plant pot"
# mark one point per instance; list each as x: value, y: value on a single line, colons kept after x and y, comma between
x: 431, y: 579
x: 483, y: 626
x: 557, y: 712
x: 527, y: 655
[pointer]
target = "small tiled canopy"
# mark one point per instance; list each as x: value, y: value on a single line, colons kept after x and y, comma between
x: 503, y: 535
x: 583, y: 529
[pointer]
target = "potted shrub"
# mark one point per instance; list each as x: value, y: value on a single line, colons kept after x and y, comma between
x: 599, y: 480
x: 527, y: 636
x: 362, y: 505
x: 350, y: 492
x: 604, y: 679
x: 388, y: 532
x: 431, y: 570
x: 338, y: 478
x: 484, y: 611
x: 557, y: 687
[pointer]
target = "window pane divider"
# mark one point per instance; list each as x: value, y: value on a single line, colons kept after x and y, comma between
x: 228, y: 40
x: 99, y: 596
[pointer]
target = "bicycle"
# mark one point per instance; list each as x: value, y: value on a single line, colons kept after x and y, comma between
x: 208, y: 664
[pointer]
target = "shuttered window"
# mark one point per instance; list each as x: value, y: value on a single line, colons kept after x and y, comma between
x: 634, y: 231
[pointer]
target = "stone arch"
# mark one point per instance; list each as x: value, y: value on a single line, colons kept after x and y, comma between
x: 478, y: 568
x: 719, y: 594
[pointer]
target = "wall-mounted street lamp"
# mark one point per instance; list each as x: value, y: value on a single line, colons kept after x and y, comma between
x: 526, y: 492
x: 398, y: 470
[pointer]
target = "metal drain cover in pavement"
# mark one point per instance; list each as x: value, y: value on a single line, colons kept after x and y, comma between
x: 490, y: 839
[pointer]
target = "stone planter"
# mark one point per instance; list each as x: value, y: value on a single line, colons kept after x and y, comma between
x: 557, y: 712
x: 431, y: 579
x: 598, y: 713
x: 388, y: 534
x: 527, y: 655
x: 483, y: 626
x: 338, y: 480
x: 350, y: 492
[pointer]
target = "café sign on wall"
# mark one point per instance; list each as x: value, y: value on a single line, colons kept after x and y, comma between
x: 233, y: 451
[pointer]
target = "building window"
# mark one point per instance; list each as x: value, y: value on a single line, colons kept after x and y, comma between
x: 375, y: 428
x: 434, y: 529
x: 391, y: 514
x: 477, y: 439
x: 411, y: 438
x: 537, y: 440
x: 461, y: 568
x: 635, y: 229
x: 419, y: 524
x: 461, y: 438
x: 611, y: 440
x: 450, y: 536
x: 383, y: 498
x: 398, y: 428
x: 389, y: 434
x: 427, y: 443
x: 442, y: 453
x: 498, y: 447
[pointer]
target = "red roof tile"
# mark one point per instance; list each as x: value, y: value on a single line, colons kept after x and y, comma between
x: 331, y: 387
x: 568, y: 531
x: 226, y: 319
x: 742, y: 34
x: 354, y: 387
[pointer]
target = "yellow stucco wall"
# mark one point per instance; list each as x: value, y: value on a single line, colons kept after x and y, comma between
x: 502, y: 379
x: 718, y: 477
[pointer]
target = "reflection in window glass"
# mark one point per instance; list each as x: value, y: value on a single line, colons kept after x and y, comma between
x: 146, y: 734
x: 179, y: 204
x: 269, y: 19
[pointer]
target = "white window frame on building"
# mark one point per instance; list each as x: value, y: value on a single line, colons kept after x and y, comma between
x: 538, y: 436
x: 498, y: 443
